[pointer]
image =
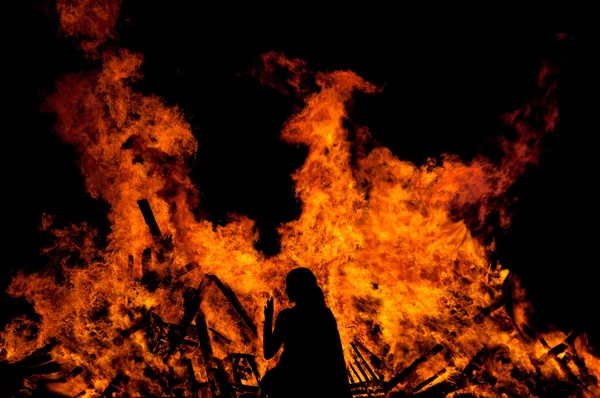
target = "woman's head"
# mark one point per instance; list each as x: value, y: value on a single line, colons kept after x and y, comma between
x: 302, y: 287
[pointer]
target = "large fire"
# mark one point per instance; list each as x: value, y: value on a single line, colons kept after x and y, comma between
x: 171, y: 302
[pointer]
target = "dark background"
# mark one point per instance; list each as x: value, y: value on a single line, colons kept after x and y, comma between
x: 444, y: 90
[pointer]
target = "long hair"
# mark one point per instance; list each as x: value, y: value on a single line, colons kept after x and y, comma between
x: 303, y: 289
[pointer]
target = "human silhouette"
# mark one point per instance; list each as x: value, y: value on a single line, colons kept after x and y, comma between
x: 312, y: 362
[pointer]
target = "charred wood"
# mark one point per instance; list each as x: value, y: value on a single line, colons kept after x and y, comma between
x: 360, y: 368
x: 375, y: 360
x: 191, y: 302
x: 553, y: 353
x: 366, y: 364
x: 150, y: 279
x: 220, y: 336
x: 359, y: 380
x: 350, y: 377
x: 39, y: 356
x: 203, y: 338
x: 149, y: 217
x: 235, y: 303
x: 562, y: 362
x: 425, y: 383
x: 473, y: 374
x: 237, y: 385
x: 194, y: 385
x: 165, y: 244
x: 190, y: 343
x: 158, y: 335
x: 187, y: 268
x: 217, y: 378
x: 15, y: 375
x: 398, y: 378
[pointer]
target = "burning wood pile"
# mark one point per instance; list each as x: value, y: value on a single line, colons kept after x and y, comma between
x: 167, y: 304
x: 190, y: 343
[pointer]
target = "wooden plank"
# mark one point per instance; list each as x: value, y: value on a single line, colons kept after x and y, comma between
x: 423, y: 384
x: 146, y: 259
x: 235, y: 303
x: 360, y: 368
x: 146, y: 210
x: 355, y: 373
x: 375, y: 360
x: 194, y: 385
x: 220, y: 336
x: 366, y: 364
x: 191, y: 304
x: 203, y: 337
x: 399, y: 377
x: 217, y: 378
x: 184, y: 270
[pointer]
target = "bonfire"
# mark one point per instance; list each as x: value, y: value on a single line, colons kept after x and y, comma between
x: 169, y: 305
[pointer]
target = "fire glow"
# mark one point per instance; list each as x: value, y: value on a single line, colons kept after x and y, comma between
x: 170, y: 304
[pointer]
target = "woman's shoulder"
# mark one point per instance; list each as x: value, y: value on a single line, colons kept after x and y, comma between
x: 285, y: 313
x: 284, y: 318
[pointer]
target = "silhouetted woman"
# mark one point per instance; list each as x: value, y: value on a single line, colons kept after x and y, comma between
x: 312, y: 362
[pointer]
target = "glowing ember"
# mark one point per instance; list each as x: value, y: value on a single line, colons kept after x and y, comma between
x: 388, y: 241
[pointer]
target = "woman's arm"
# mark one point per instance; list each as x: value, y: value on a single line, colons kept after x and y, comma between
x: 271, y: 340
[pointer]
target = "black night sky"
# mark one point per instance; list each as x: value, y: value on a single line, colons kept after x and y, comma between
x: 444, y: 90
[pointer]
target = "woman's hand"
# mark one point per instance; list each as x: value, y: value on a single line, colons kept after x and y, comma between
x: 271, y: 339
x: 269, y: 310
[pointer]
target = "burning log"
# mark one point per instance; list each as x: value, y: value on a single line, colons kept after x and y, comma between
x: 358, y: 378
x: 580, y: 381
x: 350, y: 377
x: 146, y: 210
x: 217, y: 379
x: 194, y: 384
x: 237, y: 384
x: 588, y: 379
x: 220, y: 336
x: 165, y: 339
x: 192, y: 300
x: 375, y: 360
x: 184, y: 270
x: 366, y: 364
x: 204, y: 340
x: 364, y: 381
x: 456, y: 382
x: 146, y: 259
x: 149, y: 278
x: 398, y: 378
x: 235, y: 303
x: 165, y: 243
x: 360, y: 369
x: 476, y: 373
x: 428, y: 381
x: 159, y: 334
x: 21, y: 374
x: 554, y: 353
